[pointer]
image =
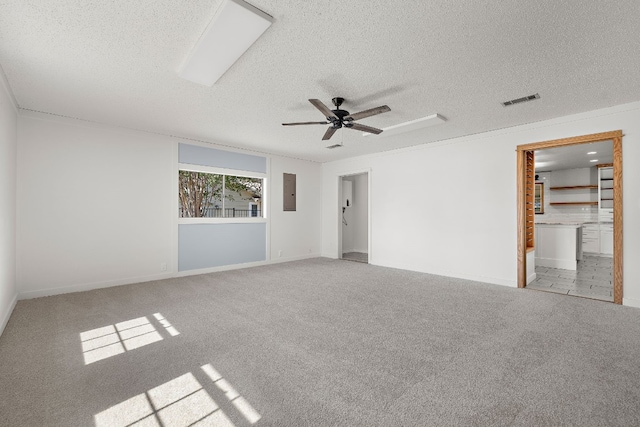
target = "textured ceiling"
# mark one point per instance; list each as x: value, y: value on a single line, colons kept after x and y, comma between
x: 115, y: 62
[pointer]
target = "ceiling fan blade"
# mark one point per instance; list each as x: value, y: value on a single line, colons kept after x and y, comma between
x: 329, y: 133
x: 364, y: 128
x: 323, y: 108
x: 368, y: 113
x: 305, y: 123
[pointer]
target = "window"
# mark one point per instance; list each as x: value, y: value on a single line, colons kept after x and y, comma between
x: 538, y: 198
x: 207, y: 195
x: 238, y: 191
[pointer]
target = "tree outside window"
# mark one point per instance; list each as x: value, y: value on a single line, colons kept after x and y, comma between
x: 205, y: 195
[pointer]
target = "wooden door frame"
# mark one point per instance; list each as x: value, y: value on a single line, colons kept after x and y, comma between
x: 616, y: 137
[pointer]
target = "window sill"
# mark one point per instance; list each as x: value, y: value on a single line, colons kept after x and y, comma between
x: 221, y: 220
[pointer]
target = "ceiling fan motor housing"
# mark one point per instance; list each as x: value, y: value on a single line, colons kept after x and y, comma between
x: 341, y: 114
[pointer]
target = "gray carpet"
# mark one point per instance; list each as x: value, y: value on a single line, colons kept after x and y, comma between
x: 319, y: 342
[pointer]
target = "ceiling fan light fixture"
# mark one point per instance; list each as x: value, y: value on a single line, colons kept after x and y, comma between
x: 235, y: 26
x: 423, y: 122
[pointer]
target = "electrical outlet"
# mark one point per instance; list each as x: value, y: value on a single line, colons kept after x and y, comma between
x: 163, y: 266
x: 280, y: 253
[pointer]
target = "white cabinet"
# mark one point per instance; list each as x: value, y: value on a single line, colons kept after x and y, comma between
x: 591, y: 238
x: 598, y: 238
x: 606, y: 239
x: 557, y: 246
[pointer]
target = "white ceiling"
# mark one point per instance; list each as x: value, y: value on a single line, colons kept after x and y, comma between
x: 116, y: 61
x: 574, y: 156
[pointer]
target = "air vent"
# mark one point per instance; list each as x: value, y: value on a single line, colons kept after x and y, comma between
x: 521, y: 100
x: 331, y: 147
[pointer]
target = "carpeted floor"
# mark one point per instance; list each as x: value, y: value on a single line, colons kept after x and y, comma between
x: 319, y: 342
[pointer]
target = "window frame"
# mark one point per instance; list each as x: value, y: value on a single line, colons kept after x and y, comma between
x: 225, y: 172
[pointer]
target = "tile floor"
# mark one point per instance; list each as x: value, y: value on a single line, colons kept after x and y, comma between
x: 593, y: 279
x: 356, y: 256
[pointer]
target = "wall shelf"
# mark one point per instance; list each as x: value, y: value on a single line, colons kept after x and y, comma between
x: 576, y: 187
x: 574, y: 203
x: 605, y: 192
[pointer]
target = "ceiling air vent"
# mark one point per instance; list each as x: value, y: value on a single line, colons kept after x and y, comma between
x: 520, y: 100
x: 331, y: 147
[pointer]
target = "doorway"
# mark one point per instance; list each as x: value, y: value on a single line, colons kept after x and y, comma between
x: 354, y: 217
x: 528, y: 204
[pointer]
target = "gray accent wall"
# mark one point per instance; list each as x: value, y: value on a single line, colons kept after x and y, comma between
x: 216, y: 245
x: 204, y: 156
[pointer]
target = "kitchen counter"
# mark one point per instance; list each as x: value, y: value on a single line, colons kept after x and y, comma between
x: 574, y: 223
x: 558, y: 245
x: 559, y: 224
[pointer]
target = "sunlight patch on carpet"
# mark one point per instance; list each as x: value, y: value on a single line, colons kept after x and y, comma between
x: 234, y: 397
x: 108, y: 341
x: 181, y: 402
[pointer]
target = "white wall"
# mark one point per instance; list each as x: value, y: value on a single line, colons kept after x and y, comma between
x: 8, y: 141
x: 97, y: 206
x: 297, y: 234
x: 355, y: 233
x: 464, y: 223
x: 531, y: 264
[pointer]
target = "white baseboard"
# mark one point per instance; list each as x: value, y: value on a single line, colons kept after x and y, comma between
x: 218, y: 269
x: 330, y: 255
x: 7, y: 315
x: 511, y: 283
x: 141, y: 279
x: 91, y: 286
x: 631, y: 302
x: 293, y: 258
x: 245, y: 265
x: 531, y: 278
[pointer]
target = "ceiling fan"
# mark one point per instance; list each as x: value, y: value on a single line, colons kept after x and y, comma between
x: 340, y: 118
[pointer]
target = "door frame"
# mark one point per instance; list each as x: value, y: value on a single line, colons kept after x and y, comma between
x: 339, y: 184
x: 522, y: 150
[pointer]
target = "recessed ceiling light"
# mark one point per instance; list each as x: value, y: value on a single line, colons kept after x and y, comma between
x: 593, y: 160
x: 592, y: 152
x: 235, y: 26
